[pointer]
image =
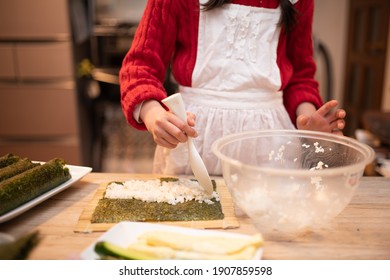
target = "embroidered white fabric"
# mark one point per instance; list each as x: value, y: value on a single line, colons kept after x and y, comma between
x: 235, y: 83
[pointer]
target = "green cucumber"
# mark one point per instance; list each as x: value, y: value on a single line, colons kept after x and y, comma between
x: 107, y: 250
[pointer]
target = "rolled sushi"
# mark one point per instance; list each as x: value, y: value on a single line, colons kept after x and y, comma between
x: 8, y: 159
x: 28, y: 185
x: 16, y: 168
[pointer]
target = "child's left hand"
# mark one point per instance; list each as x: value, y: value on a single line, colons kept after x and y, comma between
x: 325, y: 119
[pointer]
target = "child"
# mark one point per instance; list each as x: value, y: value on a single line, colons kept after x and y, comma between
x: 240, y: 65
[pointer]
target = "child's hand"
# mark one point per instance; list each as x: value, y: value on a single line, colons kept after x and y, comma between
x: 167, y: 129
x: 325, y: 119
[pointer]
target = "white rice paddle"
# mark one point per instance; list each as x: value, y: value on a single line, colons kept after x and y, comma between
x: 176, y: 105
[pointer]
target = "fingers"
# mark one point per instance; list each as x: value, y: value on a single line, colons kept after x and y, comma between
x: 166, y: 140
x: 337, y: 125
x: 336, y: 119
x: 170, y: 130
x: 180, y: 128
x: 191, y: 118
x: 302, y: 121
x: 167, y: 129
x: 341, y: 114
x: 326, y: 119
x: 325, y: 109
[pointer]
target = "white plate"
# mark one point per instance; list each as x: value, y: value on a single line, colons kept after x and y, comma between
x: 124, y: 233
x: 77, y: 173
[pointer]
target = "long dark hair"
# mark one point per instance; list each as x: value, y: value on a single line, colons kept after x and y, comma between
x: 287, y: 20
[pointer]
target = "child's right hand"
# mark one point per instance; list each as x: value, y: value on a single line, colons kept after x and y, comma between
x: 167, y: 129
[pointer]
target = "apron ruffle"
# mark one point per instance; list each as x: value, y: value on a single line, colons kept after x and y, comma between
x: 220, y: 114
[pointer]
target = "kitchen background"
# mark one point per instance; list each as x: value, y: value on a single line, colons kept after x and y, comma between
x: 59, y: 62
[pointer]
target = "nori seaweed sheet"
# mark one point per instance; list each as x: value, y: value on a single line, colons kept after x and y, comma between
x: 30, y: 184
x: 117, y: 210
x: 8, y: 159
x: 16, y: 168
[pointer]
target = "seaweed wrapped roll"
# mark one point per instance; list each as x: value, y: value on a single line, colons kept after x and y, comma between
x: 30, y: 184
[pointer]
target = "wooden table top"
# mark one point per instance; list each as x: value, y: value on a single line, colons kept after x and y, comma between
x: 361, y: 231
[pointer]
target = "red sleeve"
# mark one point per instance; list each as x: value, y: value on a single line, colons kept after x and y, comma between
x: 144, y: 67
x: 296, y: 63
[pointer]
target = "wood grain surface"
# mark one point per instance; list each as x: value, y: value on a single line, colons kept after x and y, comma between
x: 361, y: 231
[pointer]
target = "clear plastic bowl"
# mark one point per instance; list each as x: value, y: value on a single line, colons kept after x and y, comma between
x: 287, y: 181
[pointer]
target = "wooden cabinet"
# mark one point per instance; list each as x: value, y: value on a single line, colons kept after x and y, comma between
x: 36, y: 111
x: 7, y: 58
x: 34, y: 19
x: 38, y: 96
x: 51, y: 60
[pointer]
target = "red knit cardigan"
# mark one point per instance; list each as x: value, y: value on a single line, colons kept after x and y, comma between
x: 168, y: 33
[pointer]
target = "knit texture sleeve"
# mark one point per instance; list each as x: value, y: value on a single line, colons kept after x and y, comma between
x: 144, y: 67
x: 298, y: 68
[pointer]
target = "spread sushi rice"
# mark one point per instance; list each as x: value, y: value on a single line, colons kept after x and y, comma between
x: 171, y: 192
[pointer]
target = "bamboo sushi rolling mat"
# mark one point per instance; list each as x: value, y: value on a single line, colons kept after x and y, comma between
x: 85, y: 225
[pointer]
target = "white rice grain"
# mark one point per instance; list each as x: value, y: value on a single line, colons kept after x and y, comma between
x: 171, y: 192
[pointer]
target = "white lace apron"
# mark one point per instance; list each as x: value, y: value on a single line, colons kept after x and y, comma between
x: 235, y: 83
